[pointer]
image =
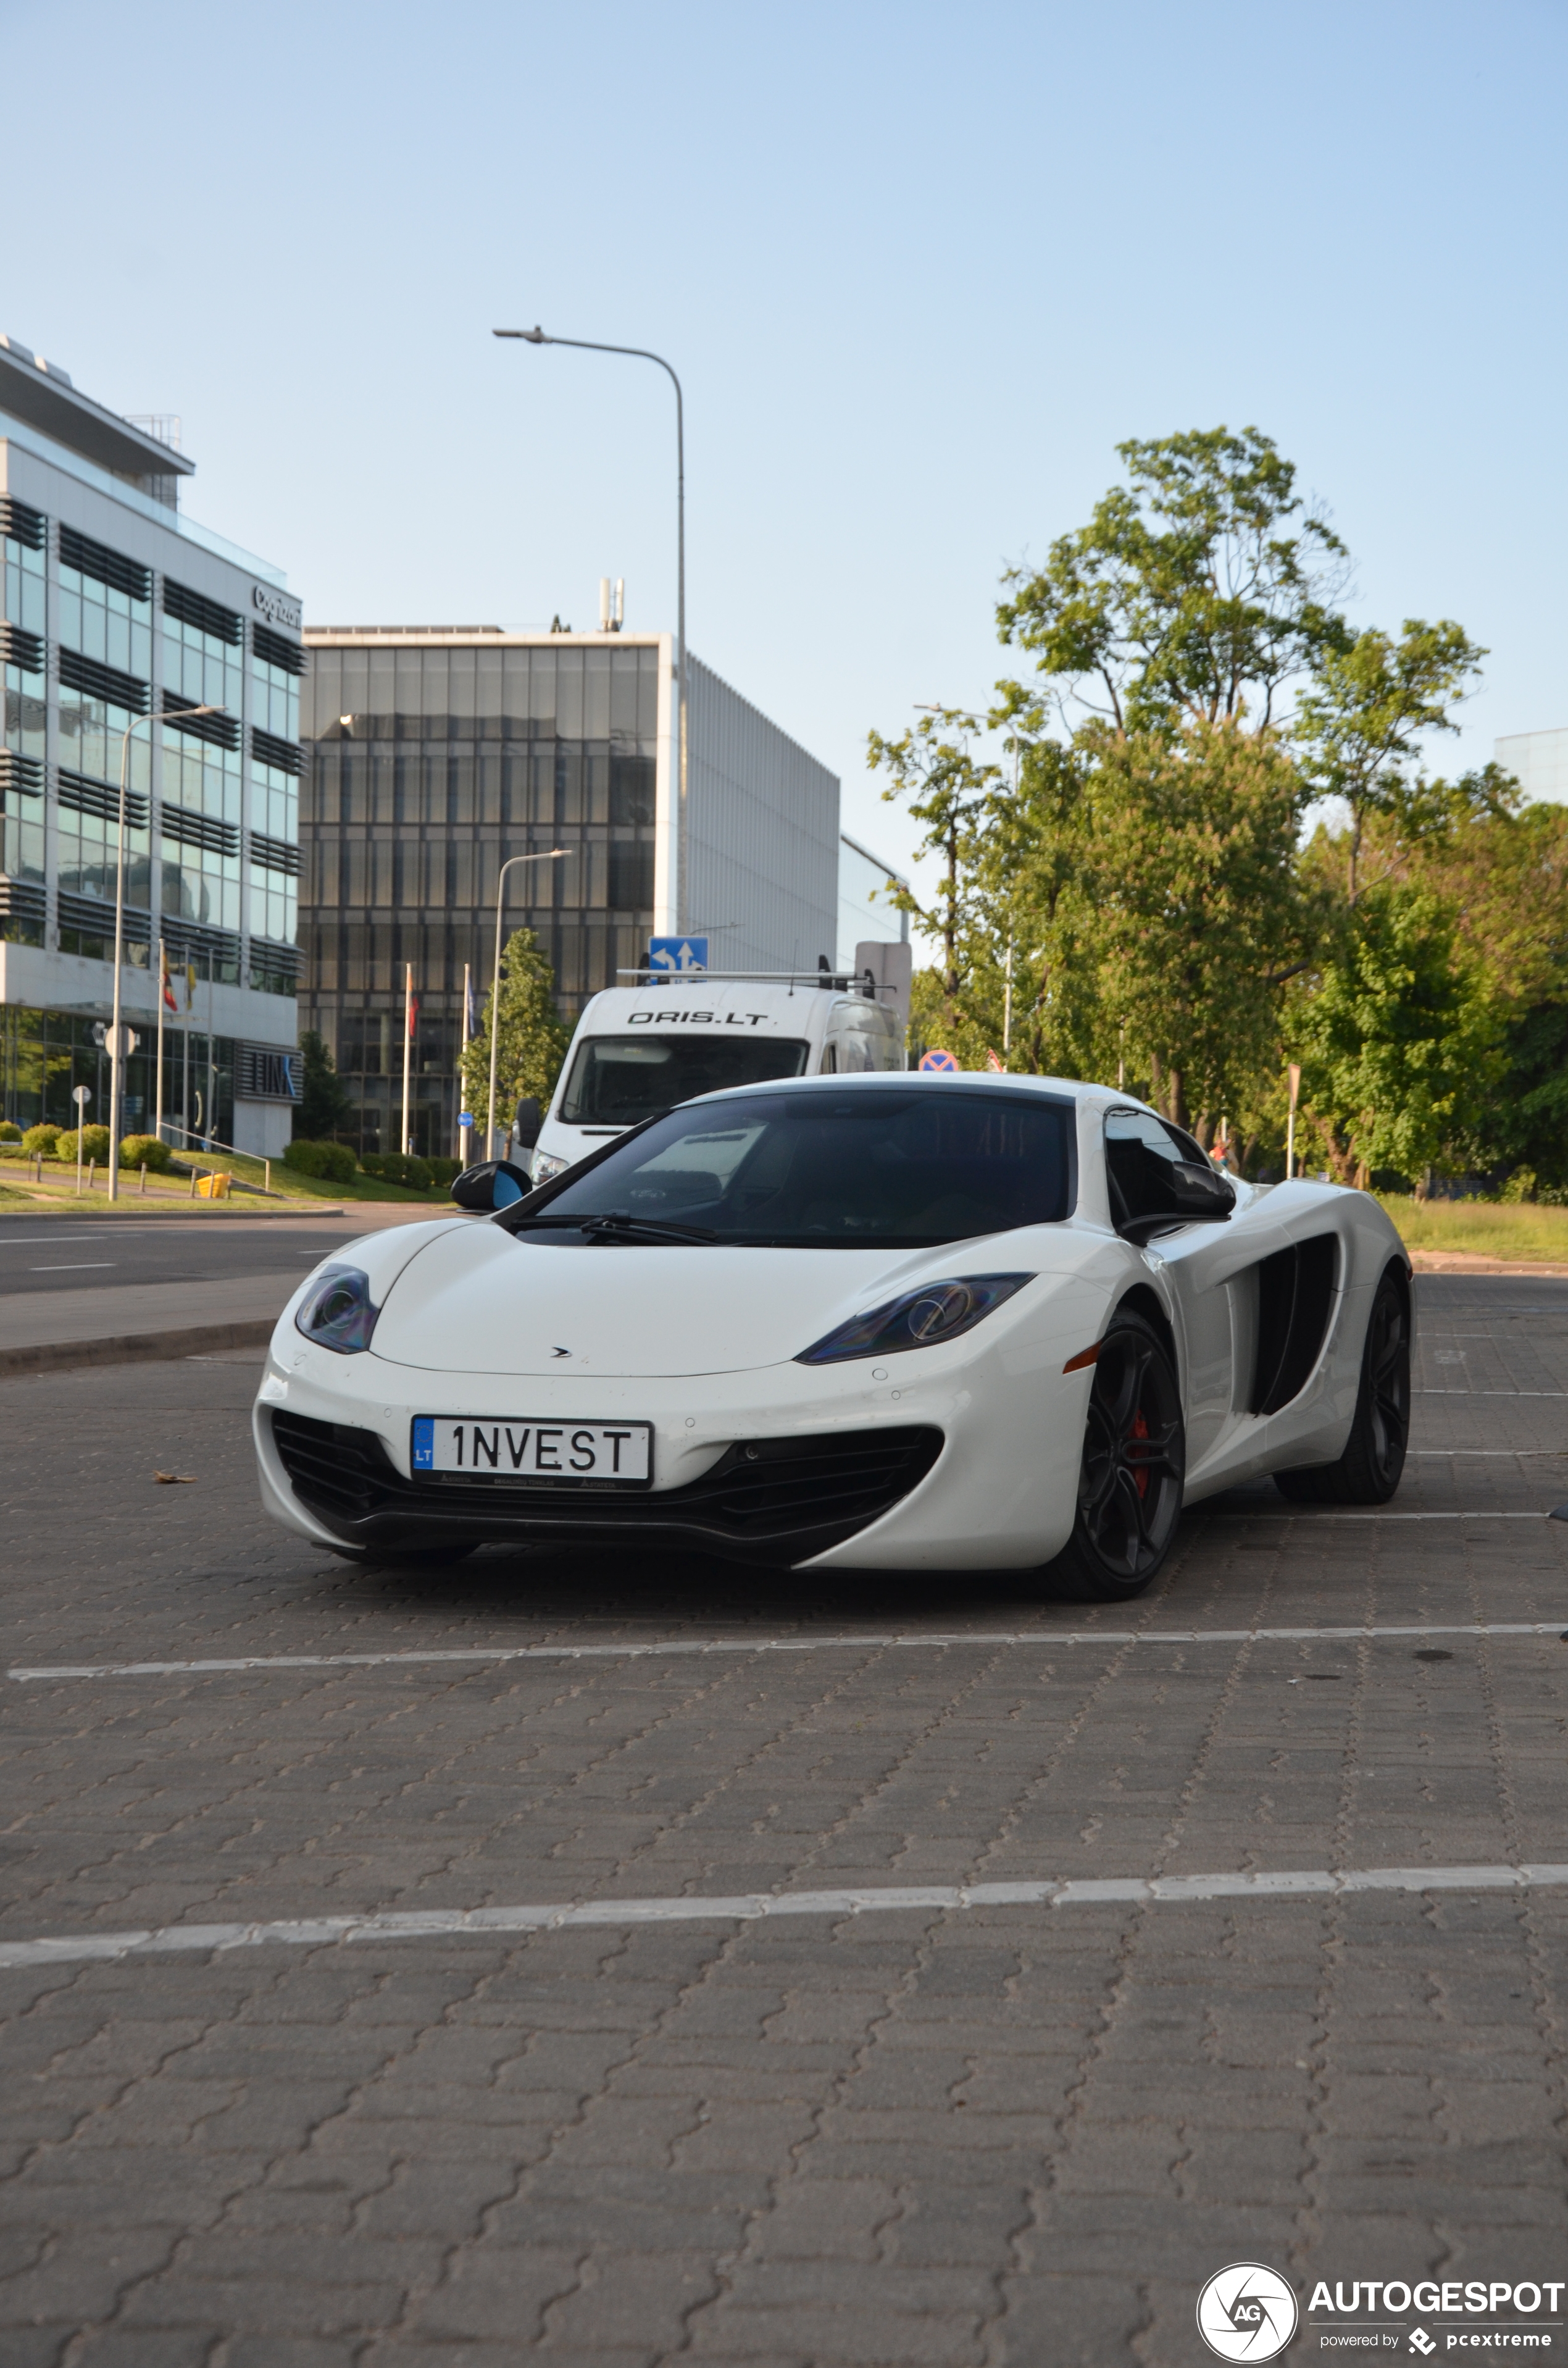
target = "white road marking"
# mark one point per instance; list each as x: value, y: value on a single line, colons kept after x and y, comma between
x: 698, y: 1646
x: 485, y: 1923
x: 73, y: 1266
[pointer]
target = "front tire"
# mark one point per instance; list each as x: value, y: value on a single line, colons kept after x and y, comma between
x: 1130, y: 1483
x: 1369, y: 1470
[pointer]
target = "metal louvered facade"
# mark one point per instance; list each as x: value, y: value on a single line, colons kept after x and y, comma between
x: 115, y: 611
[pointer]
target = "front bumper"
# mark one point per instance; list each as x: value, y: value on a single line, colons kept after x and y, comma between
x: 770, y: 1500
x: 968, y: 1462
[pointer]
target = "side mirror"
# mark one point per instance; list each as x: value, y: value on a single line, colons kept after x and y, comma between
x: 494, y: 1184
x: 526, y: 1125
x: 1202, y: 1191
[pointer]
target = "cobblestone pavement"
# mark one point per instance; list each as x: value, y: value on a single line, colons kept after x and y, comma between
x: 946, y: 2132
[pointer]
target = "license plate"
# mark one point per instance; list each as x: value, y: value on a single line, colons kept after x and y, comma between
x: 605, y: 1452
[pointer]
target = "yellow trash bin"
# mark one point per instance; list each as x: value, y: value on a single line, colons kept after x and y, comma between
x: 212, y: 1188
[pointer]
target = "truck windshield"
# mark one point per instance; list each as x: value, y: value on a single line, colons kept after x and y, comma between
x: 621, y: 1080
x: 863, y: 1169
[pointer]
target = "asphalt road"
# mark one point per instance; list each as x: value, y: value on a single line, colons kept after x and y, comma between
x: 72, y: 1253
x: 1086, y: 1974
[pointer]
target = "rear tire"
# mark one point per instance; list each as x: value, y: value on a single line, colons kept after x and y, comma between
x: 1369, y: 1470
x: 1130, y: 1483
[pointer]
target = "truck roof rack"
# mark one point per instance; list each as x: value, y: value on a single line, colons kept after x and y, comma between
x: 863, y: 982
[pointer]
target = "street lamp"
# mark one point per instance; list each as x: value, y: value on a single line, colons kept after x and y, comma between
x: 168, y: 715
x: 548, y: 855
x: 536, y: 337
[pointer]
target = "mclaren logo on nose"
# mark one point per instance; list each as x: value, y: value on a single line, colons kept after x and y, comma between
x: 561, y: 1352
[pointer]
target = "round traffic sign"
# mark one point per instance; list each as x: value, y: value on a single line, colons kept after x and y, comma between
x: 937, y: 1060
x: 81, y: 1096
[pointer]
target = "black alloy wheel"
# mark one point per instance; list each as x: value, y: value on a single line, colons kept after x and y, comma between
x: 1369, y: 1470
x: 1130, y: 1484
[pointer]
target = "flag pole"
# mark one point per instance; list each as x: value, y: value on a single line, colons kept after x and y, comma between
x: 462, y: 1066
x: 162, y: 996
x: 407, y: 1047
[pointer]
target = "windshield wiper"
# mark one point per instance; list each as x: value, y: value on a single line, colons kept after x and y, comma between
x: 652, y: 1229
x: 613, y: 1225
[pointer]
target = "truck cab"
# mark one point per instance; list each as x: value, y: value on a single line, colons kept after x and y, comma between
x: 641, y: 1048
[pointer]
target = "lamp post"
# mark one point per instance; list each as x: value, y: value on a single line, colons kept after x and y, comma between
x: 536, y: 337
x: 166, y: 715
x: 548, y: 855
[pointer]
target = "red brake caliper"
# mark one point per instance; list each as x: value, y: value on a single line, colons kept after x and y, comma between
x: 1139, y: 1430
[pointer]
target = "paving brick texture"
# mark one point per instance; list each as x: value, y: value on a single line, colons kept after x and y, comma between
x: 958, y: 2137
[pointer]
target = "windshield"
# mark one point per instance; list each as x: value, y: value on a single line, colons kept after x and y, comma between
x: 818, y: 1169
x: 621, y: 1080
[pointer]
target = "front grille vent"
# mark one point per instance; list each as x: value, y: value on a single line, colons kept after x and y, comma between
x: 776, y: 1500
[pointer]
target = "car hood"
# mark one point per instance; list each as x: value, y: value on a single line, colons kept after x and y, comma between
x: 482, y: 1301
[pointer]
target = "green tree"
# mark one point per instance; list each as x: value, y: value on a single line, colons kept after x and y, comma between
x: 1198, y: 591
x: 948, y: 791
x: 323, y: 1103
x: 1398, y: 1039
x: 1360, y: 726
x: 1202, y: 914
x: 531, y: 1039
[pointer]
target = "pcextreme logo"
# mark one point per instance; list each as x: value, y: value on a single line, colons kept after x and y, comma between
x: 1246, y: 2312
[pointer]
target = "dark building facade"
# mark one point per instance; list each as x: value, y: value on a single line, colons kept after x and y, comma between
x: 431, y: 760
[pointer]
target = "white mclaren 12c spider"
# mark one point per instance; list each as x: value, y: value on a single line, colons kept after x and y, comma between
x: 873, y: 1323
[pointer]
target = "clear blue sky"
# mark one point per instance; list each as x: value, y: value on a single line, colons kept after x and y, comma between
x: 920, y: 268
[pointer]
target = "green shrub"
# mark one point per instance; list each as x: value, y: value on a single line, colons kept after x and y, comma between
x: 9, y: 1133
x: 332, y: 1161
x: 444, y: 1171
x: 94, y: 1146
x: 399, y: 1167
x: 42, y: 1138
x: 144, y: 1151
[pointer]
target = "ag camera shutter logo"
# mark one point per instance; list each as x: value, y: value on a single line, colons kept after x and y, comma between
x: 1246, y: 2312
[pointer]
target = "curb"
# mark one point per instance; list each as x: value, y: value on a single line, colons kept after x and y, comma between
x: 135, y: 1347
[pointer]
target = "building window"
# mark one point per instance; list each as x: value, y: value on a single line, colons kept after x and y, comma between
x: 106, y: 606
x: 203, y: 659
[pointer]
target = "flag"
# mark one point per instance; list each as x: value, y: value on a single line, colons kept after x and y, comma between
x: 413, y: 1016
x: 189, y: 984
x: 470, y: 1017
x: 169, y: 1002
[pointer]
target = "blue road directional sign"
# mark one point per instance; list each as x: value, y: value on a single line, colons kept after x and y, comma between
x: 678, y: 956
x: 937, y: 1059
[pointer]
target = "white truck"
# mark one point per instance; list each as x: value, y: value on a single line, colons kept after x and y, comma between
x: 639, y: 1049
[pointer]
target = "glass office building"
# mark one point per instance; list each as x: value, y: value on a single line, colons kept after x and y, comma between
x: 119, y: 612
x: 435, y: 755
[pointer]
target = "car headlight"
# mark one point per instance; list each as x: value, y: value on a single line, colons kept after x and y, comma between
x: 546, y: 1164
x: 336, y: 1312
x: 937, y: 1312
